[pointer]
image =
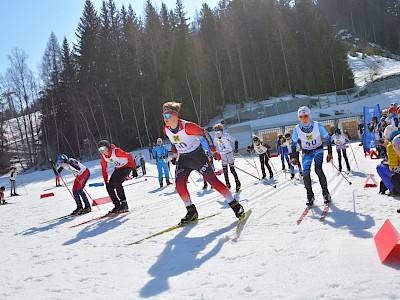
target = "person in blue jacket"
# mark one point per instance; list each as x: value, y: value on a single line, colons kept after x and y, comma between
x: 160, y: 153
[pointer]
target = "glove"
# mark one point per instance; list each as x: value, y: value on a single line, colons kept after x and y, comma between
x: 329, y: 157
x: 173, y: 160
x: 294, y: 161
x: 236, y: 150
x: 248, y: 149
x: 216, y: 156
x: 53, y: 164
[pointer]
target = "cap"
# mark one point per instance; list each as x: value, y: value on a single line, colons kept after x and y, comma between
x: 396, y: 143
x: 389, y: 130
x: 255, y: 138
x: 104, y: 143
x: 2, y: 188
x: 287, y: 135
x: 62, y: 158
x: 304, y: 110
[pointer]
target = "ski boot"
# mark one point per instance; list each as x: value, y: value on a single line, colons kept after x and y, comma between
x: 283, y: 168
x: 228, y: 185
x: 168, y: 182
x: 291, y: 176
x: 205, y: 186
x: 123, y: 207
x: 310, y: 201
x: 77, y: 211
x: 237, y: 208
x: 115, y: 210
x: 264, y: 176
x: 238, y: 186
x: 86, y: 210
x: 327, y: 198
x: 271, y: 175
x: 161, y: 184
x: 191, y: 215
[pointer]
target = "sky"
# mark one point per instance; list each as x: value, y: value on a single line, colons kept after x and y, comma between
x: 27, y: 24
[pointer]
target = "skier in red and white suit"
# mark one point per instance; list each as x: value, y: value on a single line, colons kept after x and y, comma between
x: 183, y: 136
x: 124, y: 164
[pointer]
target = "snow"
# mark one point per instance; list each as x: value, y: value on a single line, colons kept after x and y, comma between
x: 273, y: 257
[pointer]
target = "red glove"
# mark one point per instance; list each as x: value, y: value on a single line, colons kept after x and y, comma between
x: 329, y: 157
x: 217, y: 156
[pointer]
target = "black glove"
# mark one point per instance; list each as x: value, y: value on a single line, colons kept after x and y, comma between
x: 236, y: 150
x: 173, y: 161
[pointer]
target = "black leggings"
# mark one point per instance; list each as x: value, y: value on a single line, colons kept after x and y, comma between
x: 115, y: 184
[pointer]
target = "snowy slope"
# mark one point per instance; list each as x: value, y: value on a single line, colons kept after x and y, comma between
x: 274, y: 258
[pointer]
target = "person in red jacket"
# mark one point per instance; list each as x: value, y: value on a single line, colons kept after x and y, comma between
x: 183, y: 136
x: 124, y: 164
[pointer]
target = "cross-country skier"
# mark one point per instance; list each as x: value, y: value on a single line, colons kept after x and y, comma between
x: 288, y: 144
x: 183, y: 135
x: 223, y: 142
x: 263, y: 153
x: 123, y: 165
x: 82, y: 175
x: 160, y: 153
x: 309, y: 133
x: 283, y: 151
x: 13, y: 181
x: 142, y: 163
x: 340, y: 140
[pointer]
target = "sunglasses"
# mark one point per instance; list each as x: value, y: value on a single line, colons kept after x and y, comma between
x: 218, y: 131
x: 102, y: 148
x: 303, y: 117
x: 167, y: 116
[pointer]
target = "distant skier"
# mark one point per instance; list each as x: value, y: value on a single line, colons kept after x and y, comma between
x: 183, y: 135
x: 2, y: 197
x: 13, y: 181
x: 223, y: 142
x: 263, y: 153
x: 142, y: 163
x: 56, y: 174
x: 124, y: 164
x: 282, y: 150
x: 160, y: 153
x: 340, y: 140
x: 309, y: 133
x: 82, y: 175
x: 288, y: 144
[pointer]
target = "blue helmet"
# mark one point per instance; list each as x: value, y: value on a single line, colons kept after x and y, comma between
x: 62, y: 158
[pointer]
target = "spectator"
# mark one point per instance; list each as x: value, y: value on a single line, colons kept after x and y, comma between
x: 385, y: 168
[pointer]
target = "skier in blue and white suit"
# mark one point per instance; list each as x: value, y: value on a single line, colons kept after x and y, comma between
x: 160, y: 153
x: 309, y: 133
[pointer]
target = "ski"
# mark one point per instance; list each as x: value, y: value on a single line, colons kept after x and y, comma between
x: 241, y: 222
x: 305, y: 212
x: 58, y: 219
x: 170, y: 229
x: 5, y: 203
x: 324, y: 212
x: 97, y: 218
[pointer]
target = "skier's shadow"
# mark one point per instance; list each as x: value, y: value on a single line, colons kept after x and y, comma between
x: 182, y: 254
x: 355, y: 222
x: 35, y: 230
x: 98, y: 228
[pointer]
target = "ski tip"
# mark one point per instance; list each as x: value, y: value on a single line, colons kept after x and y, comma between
x: 350, y: 183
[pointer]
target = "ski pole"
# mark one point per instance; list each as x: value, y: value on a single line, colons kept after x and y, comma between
x: 258, y: 173
x: 341, y: 173
x: 269, y: 159
x: 354, y: 156
x: 247, y: 161
x: 24, y: 186
x: 273, y: 185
